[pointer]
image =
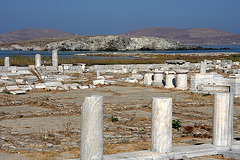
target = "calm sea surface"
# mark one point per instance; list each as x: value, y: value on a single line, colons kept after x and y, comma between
x: 233, y: 48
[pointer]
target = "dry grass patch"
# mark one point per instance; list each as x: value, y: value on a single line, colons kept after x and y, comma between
x: 109, y: 148
x: 151, y: 59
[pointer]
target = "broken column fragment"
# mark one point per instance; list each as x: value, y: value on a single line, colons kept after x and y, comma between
x: 55, y: 59
x: 92, y: 128
x: 35, y: 72
x: 158, y: 79
x: 203, y: 67
x: 6, y: 62
x: 223, y: 119
x: 170, y: 79
x: 181, y: 79
x: 148, y: 78
x: 38, y: 60
x: 161, y: 140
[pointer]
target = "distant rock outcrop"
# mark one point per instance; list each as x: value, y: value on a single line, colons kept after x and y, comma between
x: 113, y: 43
x: 192, y: 36
x: 99, y: 43
x: 32, y: 33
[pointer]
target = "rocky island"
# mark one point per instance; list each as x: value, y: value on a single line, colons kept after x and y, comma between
x: 94, y: 43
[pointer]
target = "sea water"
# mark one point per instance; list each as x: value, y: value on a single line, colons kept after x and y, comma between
x: 233, y: 48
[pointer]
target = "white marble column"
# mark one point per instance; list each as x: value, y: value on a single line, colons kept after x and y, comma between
x: 38, y: 60
x: 148, y: 77
x: 54, y: 58
x: 203, y: 67
x: 6, y: 62
x: 223, y: 119
x: 158, y: 79
x: 170, y: 79
x: 181, y: 79
x: 161, y: 139
x: 92, y: 128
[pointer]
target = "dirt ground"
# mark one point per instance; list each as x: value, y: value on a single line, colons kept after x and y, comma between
x: 46, y: 124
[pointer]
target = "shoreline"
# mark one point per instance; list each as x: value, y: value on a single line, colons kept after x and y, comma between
x: 130, y: 54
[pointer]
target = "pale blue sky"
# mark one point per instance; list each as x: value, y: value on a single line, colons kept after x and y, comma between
x: 99, y: 17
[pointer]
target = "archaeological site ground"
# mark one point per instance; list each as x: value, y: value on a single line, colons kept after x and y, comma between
x: 184, y: 107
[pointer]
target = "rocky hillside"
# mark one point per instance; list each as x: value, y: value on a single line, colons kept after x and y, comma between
x: 32, y: 33
x: 94, y: 43
x: 193, y: 36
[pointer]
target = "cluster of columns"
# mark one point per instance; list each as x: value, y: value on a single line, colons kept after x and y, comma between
x: 170, y: 76
x: 54, y: 59
x: 37, y: 60
x: 161, y: 139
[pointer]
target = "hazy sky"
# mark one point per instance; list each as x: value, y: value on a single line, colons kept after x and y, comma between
x: 97, y: 17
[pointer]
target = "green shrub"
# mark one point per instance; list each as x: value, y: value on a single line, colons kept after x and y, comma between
x: 207, y: 94
x: 176, y: 124
x: 114, y: 119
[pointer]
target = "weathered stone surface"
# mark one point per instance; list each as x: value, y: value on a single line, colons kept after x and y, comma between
x: 12, y: 88
x: 235, y: 84
x: 38, y: 60
x: 233, y: 154
x: 55, y: 59
x: 92, y: 128
x: 22, y: 108
x: 170, y: 79
x: 158, y: 79
x: 203, y: 67
x: 8, y: 156
x: 83, y: 87
x: 182, y: 79
x: 177, y: 153
x: 131, y: 80
x: 137, y: 76
x: 223, y: 119
x: 18, y: 92
x: 161, y: 124
x: 72, y: 86
x: 100, y: 81
x: 213, y: 82
x: 46, y: 124
x: 6, y: 62
x: 40, y: 86
x: 148, y: 78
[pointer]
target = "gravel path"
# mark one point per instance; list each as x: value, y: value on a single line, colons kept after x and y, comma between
x: 7, y: 156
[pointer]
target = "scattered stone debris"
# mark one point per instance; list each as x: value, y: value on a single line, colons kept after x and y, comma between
x: 40, y: 113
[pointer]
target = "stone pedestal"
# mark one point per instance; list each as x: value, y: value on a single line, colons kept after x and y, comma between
x: 55, y: 58
x: 38, y: 60
x: 223, y: 119
x: 6, y: 62
x: 92, y: 128
x: 181, y: 79
x: 158, y: 79
x: 148, y: 78
x: 161, y: 140
x: 170, y: 79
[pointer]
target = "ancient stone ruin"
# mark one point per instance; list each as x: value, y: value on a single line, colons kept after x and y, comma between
x: 161, y: 136
x: 218, y: 77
